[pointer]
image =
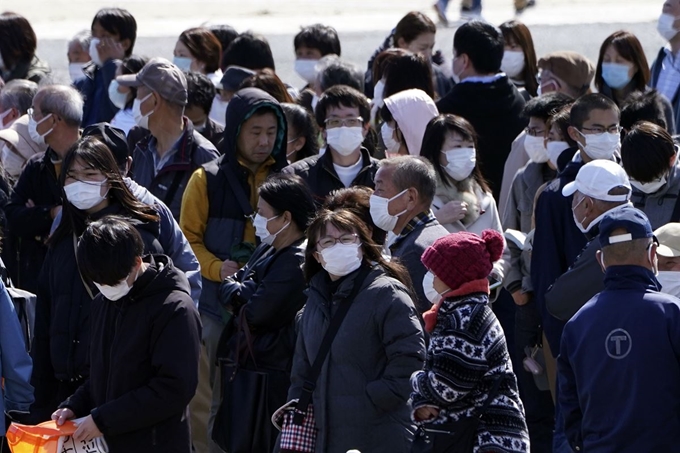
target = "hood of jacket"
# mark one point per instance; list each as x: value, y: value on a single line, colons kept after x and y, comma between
x: 412, y: 110
x: 241, y: 107
x: 160, y: 277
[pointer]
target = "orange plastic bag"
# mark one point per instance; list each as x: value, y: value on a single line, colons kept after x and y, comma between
x: 42, y: 438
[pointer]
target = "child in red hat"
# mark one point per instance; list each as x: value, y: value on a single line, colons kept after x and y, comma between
x: 467, y: 372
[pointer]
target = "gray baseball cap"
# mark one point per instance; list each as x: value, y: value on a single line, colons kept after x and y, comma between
x: 161, y: 76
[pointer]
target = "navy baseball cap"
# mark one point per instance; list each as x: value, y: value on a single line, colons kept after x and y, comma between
x: 627, y: 218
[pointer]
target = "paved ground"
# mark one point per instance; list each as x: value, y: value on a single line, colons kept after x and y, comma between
x: 579, y: 25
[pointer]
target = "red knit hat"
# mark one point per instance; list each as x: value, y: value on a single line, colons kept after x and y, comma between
x: 459, y: 258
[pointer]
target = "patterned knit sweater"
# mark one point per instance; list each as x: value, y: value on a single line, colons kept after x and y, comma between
x: 467, y: 353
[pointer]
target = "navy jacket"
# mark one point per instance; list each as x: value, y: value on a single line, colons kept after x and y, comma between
x: 94, y: 87
x: 557, y: 243
x: 675, y: 102
x: 619, y: 367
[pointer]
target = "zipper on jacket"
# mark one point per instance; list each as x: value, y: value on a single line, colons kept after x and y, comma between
x: 119, y: 320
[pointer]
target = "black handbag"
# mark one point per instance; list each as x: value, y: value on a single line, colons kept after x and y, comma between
x: 453, y: 437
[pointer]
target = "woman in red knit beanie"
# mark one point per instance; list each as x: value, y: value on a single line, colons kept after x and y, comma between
x: 466, y: 396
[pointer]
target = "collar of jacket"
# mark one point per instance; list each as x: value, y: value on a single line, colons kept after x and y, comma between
x: 630, y: 277
x: 327, y: 162
x: 320, y: 284
x: 182, y: 159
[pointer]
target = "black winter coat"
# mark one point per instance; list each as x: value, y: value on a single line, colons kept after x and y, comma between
x: 144, y: 372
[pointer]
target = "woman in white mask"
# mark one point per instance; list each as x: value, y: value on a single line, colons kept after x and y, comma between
x: 379, y: 344
x: 519, y: 58
x: 123, y: 97
x: 92, y: 188
x: 264, y: 297
x: 463, y: 201
x: 405, y: 116
x: 622, y: 69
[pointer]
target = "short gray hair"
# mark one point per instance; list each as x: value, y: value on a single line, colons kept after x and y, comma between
x: 332, y: 70
x: 83, y: 38
x: 413, y: 171
x: 18, y: 94
x: 62, y: 100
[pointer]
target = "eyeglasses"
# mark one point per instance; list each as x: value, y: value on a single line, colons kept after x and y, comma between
x: 534, y: 132
x: 601, y: 130
x: 332, y: 123
x: 329, y: 241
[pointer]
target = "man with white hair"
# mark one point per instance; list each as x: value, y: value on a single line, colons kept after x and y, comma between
x: 15, y: 100
x: 601, y: 187
x: 54, y: 120
x: 78, y: 54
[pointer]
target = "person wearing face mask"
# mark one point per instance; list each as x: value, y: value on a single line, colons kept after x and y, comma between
x: 665, y: 76
x: 668, y: 253
x: 114, y: 31
x: 123, y: 98
x: 485, y: 97
x: 17, y: 147
x: 405, y: 117
x: 627, y: 333
x: 166, y: 158
x: 343, y: 115
x: 303, y: 134
x: 146, y: 327
x: 400, y: 205
x: 200, y: 95
x: 461, y: 320
x: 264, y: 297
x: 199, y: 50
x: 567, y: 72
x: 15, y: 100
x: 78, y: 54
x: 231, y: 81
x: 622, y: 69
x: 53, y: 121
x: 92, y: 188
x: 360, y: 398
x: 654, y: 173
x: 519, y: 58
x: 462, y: 200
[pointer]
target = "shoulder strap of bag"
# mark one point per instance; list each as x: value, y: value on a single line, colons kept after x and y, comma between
x: 239, y: 193
x: 310, y: 383
x: 82, y: 279
x: 492, y: 395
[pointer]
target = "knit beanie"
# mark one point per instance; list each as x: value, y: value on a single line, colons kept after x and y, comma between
x: 462, y: 257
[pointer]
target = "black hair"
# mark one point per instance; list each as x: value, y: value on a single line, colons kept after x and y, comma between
x: 404, y: 72
x: 413, y: 25
x: 302, y: 122
x: 318, y: 36
x: 200, y: 90
x: 224, y: 33
x: 117, y: 240
x: 98, y: 156
x: 643, y: 106
x: 284, y: 192
x: 119, y: 22
x: 646, y: 151
x: 249, y: 51
x: 334, y: 71
x: 132, y: 65
x: 580, y: 110
x: 546, y: 105
x: 433, y: 141
x: 562, y: 121
x: 356, y: 199
x: 17, y: 39
x: 267, y: 80
x: 341, y: 95
x: 482, y: 43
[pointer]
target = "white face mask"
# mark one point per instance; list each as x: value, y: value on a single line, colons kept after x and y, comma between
x: 117, y: 98
x: 94, y: 53
x: 33, y: 130
x: 341, y: 259
x: 579, y: 224
x: 115, y: 292
x: 391, y: 145
x: 379, y: 208
x: 183, y: 63
x: 75, y: 71
x: 428, y: 287
x: 141, y: 120
x: 378, y: 92
x: 535, y: 148
x: 261, y: 231
x: 456, y: 76
x: 649, y: 187
x: 555, y: 149
x: 665, y: 26
x: 601, y: 146
x: 4, y: 115
x: 306, y: 69
x: 12, y: 162
x: 461, y: 162
x: 670, y: 282
x: 512, y: 63
x: 85, y: 195
x: 345, y: 140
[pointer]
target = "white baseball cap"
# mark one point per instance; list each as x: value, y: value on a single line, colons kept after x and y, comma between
x: 669, y: 240
x: 597, y: 178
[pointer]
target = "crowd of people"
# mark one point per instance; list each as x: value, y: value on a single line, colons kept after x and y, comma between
x: 407, y: 258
